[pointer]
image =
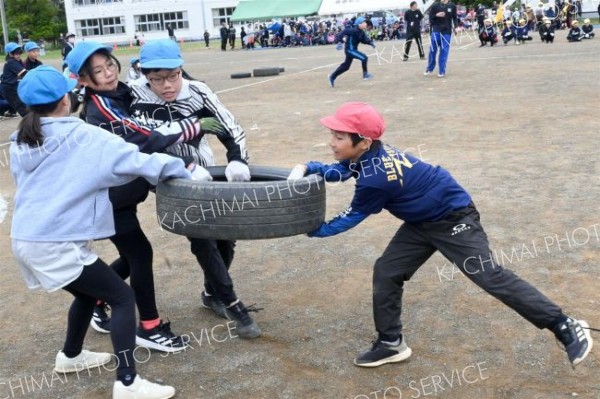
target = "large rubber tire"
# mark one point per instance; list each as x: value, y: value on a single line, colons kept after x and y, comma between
x: 281, y: 69
x: 259, y: 72
x: 241, y: 75
x: 267, y: 207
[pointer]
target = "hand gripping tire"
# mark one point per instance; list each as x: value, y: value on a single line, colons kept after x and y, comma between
x: 259, y: 72
x: 269, y: 206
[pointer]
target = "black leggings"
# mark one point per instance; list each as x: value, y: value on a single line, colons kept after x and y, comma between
x: 215, y: 258
x: 135, y: 259
x: 99, y: 281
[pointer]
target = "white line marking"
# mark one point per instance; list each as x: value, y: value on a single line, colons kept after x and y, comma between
x: 3, y: 208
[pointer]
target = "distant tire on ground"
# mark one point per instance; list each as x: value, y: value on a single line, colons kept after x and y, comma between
x: 281, y: 69
x: 241, y: 75
x: 268, y: 206
x: 259, y: 72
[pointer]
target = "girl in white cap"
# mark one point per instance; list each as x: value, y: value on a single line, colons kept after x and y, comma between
x: 51, y: 235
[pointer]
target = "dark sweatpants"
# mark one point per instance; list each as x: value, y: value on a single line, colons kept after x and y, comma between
x: 215, y: 258
x: 350, y: 56
x: 462, y: 240
x: 10, y: 94
x: 416, y: 37
x: 99, y: 281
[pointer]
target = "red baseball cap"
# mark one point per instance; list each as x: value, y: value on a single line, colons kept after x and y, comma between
x: 356, y: 117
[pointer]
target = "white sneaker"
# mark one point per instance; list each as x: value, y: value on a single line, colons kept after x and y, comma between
x: 142, y: 389
x: 85, y: 360
x: 427, y: 73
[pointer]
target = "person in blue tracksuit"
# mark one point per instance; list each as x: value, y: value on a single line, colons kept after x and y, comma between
x: 354, y: 35
x: 438, y: 215
x: 522, y: 32
x: 443, y: 20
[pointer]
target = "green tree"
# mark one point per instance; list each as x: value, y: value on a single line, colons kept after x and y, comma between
x: 36, y: 19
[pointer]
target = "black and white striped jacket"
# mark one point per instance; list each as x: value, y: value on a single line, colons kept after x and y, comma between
x: 194, y: 99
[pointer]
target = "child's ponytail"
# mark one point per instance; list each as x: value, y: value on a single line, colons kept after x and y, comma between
x: 30, y: 127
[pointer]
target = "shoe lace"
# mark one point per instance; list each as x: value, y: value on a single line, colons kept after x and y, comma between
x: 165, y: 329
x: 254, y: 308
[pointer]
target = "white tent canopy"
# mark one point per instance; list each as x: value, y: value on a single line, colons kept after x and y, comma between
x: 331, y: 7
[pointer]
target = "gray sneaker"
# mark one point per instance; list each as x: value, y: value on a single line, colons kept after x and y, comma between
x: 245, y: 326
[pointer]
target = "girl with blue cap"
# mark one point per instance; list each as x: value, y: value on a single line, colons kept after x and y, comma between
x: 51, y: 235
x: 106, y: 104
x: 13, y: 72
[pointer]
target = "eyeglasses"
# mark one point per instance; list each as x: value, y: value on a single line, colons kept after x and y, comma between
x: 110, y: 66
x: 172, y: 77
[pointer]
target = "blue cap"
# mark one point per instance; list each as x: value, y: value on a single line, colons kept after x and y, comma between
x: 44, y: 85
x: 31, y: 46
x: 359, y: 21
x: 81, y: 52
x: 161, y: 54
x: 11, y: 46
x: 134, y: 60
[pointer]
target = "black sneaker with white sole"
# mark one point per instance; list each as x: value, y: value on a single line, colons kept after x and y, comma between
x: 382, y: 353
x: 212, y: 303
x: 244, y: 325
x: 160, y: 338
x: 100, y: 319
x: 576, y: 338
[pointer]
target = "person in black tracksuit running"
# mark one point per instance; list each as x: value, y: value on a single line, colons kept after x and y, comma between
x: 354, y: 35
x: 413, y: 18
x: 439, y: 215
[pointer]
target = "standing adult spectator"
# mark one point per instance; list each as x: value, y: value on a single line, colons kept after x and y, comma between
x: 287, y: 34
x: 243, y: 37
x: 413, y: 18
x: 224, y: 32
x: 232, y: 33
x: 480, y: 13
x: 68, y: 44
x: 598, y: 10
x: 171, y: 32
x: 443, y: 20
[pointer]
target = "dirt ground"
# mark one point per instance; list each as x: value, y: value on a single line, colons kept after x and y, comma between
x: 516, y: 125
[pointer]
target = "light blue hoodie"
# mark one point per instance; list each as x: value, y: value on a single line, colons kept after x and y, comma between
x: 62, y: 186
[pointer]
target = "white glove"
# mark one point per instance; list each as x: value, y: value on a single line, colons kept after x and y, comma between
x: 200, y: 174
x: 298, y: 172
x: 237, y: 171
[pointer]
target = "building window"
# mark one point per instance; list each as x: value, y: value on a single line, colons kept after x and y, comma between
x: 100, y: 27
x: 113, y: 25
x: 77, y: 3
x: 178, y: 20
x: 158, y: 22
x: 221, y: 15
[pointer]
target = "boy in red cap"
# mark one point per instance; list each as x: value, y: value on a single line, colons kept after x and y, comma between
x: 439, y: 215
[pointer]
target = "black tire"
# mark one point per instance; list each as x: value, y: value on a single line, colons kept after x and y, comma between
x: 281, y: 69
x: 267, y: 207
x: 241, y: 75
x: 259, y: 72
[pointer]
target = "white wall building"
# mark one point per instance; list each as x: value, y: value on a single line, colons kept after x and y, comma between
x: 117, y: 21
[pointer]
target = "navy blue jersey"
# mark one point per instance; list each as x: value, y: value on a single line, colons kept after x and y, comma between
x: 354, y: 36
x: 12, y: 72
x: 443, y: 24
x: 387, y: 178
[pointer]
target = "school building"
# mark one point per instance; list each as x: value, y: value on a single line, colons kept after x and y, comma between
x: 118, y: 21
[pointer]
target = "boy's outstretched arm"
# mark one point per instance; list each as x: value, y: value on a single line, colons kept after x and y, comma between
x: 343, y: 222
x: 335, y: 172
